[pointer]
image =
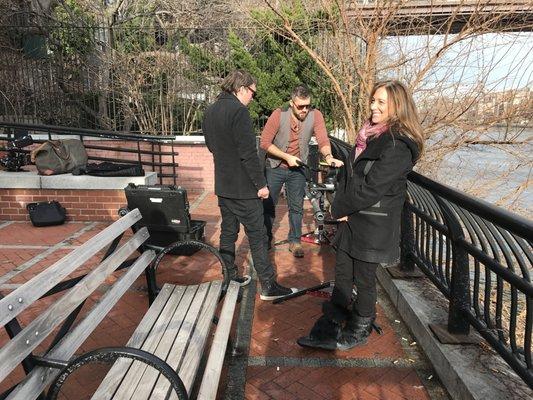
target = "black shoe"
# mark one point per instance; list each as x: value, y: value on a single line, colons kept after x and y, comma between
x: 272, y: 290
x: 242, y: 280
x: 315, y: 343
x: 233, y: 275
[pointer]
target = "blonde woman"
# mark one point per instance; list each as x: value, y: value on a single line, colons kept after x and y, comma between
x: 369, y: 201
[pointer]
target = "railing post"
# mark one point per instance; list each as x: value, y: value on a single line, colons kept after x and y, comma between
x: 458, y: 328
x: 407, y: 267
x: 407, y: 240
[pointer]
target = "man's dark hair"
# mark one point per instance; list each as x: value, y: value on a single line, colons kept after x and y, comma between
x: 236, y: 79
x: 300, y: 91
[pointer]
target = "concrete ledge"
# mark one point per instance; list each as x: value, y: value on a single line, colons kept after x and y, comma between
x: 19, y: 180
x: 31, y: 180
x: 467, y: 371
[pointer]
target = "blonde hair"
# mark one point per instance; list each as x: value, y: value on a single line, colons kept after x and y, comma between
x: 404, y: 117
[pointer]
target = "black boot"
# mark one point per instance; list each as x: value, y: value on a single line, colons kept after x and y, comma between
x: 324, y: 335
x: 327, y: 329
x: 356, y: 331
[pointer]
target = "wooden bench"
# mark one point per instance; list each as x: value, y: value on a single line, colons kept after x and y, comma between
x: 164, y: 353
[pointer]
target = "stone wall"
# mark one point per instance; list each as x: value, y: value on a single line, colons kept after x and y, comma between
x: 81, y: 205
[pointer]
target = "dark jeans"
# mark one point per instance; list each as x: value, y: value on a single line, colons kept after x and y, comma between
x: 294, y: 180
x: 249, y: 213
x: 349, y: 270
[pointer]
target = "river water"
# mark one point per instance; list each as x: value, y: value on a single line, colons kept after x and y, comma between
x: 494, y: 172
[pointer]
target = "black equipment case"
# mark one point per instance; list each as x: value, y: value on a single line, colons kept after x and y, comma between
x: 165, y: 212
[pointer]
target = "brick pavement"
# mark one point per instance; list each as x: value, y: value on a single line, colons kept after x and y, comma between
x: 269, y: 363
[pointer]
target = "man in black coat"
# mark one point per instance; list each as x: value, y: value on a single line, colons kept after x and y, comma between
x: 239, y: 181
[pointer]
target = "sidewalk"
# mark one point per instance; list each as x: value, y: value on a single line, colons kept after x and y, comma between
x: 268, y: 363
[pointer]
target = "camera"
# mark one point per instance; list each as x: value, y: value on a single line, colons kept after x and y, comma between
x: 16, y: 158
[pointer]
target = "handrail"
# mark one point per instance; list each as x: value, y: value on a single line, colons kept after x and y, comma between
x: 506, y: 219
x: 63, y: 130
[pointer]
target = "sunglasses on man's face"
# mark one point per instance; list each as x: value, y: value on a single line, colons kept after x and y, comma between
x: 252, y: 90
x: 302, y: 107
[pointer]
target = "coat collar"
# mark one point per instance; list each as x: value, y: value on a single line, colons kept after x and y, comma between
x: 228, y: 96
x: 375, y: 147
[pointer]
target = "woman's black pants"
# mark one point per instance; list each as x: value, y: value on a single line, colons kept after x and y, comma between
x: 349, y: 270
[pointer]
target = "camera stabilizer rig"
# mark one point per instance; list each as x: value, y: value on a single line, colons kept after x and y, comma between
x: 318, y: 193
x: 16, y: 158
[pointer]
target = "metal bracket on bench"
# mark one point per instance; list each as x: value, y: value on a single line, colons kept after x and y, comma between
x: 152, y: 292
x: 111, y: 354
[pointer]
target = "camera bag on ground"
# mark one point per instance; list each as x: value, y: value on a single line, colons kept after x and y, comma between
x: 46, y: 213
x: 59, y: 156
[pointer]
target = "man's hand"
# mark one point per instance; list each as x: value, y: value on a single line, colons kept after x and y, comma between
x: 263, y: 193
x: 343, y: 219
x: 293, y: 161
x: 333, y: 162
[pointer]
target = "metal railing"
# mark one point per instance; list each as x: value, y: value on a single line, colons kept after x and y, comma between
x: 479, y: 256
x: 151, y: 152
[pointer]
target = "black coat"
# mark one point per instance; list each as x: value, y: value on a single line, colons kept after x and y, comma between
x: 371, y: 192
x: 229, y: 135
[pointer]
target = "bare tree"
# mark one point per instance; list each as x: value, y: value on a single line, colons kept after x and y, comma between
x: 133, y: 69
x: 451, y: 55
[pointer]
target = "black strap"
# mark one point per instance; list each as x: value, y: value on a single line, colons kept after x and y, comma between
x: 368, y: 165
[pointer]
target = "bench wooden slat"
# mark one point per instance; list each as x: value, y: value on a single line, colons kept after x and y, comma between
x: 32, y: 335
x: 39, y: 378
x: 138, y: 376
x: 172, y: 347
x: 195, y: 347
x: 32, y: 290
x: 213, y: 368
x: 112, y: 379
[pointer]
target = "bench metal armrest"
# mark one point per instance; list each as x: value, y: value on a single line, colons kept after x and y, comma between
x: 189, y: 243
x: 111, y: 354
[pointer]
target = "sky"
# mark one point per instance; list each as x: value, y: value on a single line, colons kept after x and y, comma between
x: 504, y: 60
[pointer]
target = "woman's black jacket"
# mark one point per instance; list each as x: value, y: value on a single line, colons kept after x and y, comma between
x: 371, y: 192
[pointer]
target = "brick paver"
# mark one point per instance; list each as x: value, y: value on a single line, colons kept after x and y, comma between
x: 388, y: 367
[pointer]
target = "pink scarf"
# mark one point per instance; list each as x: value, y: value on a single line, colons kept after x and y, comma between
x: 367, y: 131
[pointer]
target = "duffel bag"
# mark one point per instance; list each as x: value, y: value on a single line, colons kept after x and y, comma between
x: 59, y: 156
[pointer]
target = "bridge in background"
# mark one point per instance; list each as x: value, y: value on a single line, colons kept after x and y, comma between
x: 442, y: 16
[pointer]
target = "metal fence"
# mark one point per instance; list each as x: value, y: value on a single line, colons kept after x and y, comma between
x: 479, y: 256
x: 136, y: 77
x: 102, y: 78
